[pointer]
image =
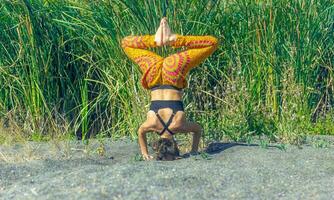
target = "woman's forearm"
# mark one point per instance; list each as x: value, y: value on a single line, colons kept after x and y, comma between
x: 196, y: 138
x: 142, y: 141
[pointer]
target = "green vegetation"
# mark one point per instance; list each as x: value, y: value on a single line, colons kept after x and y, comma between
x: 62, y: 71
x: 321, y: 143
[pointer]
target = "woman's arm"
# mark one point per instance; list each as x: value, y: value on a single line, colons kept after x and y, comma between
x: 142, y: 139
x: 196, y: 130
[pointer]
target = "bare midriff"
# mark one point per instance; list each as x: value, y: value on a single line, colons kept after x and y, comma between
x: 166, y: 94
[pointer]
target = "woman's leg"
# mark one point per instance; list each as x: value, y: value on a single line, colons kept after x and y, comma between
x: 176, y: 67
x: 135, y: 48
x: 150, y: 63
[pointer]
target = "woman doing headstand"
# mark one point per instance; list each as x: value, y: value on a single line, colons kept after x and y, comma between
x: 166, y: 77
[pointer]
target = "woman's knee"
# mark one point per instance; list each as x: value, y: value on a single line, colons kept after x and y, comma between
x: 212, y: 39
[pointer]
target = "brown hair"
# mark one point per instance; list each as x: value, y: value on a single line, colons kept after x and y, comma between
x: 166, y: 149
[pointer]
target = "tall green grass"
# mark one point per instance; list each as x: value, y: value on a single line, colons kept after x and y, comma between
x: 62, y: 70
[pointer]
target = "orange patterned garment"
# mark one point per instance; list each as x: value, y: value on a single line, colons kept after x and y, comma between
x: 173, y: 69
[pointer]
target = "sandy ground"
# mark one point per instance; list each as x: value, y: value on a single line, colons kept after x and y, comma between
x: 70, y: 170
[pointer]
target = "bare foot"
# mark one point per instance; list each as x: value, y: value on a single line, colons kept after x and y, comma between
x: 164, y: 35
x: 159, y: 34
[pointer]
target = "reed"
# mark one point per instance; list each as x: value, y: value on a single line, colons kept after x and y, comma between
x: 62, y: 68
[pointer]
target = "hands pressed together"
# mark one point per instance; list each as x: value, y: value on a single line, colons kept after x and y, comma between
x: 164, y: 35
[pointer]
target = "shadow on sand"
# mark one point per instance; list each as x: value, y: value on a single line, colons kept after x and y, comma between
x: 217, y: 147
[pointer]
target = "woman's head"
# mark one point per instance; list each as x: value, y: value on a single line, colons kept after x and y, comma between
x: 166, y: 149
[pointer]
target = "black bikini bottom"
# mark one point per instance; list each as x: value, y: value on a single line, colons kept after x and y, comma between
x: 156, y: 87
x: 175, y: 105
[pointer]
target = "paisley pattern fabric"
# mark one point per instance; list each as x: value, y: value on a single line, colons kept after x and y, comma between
x: 173, y: 69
